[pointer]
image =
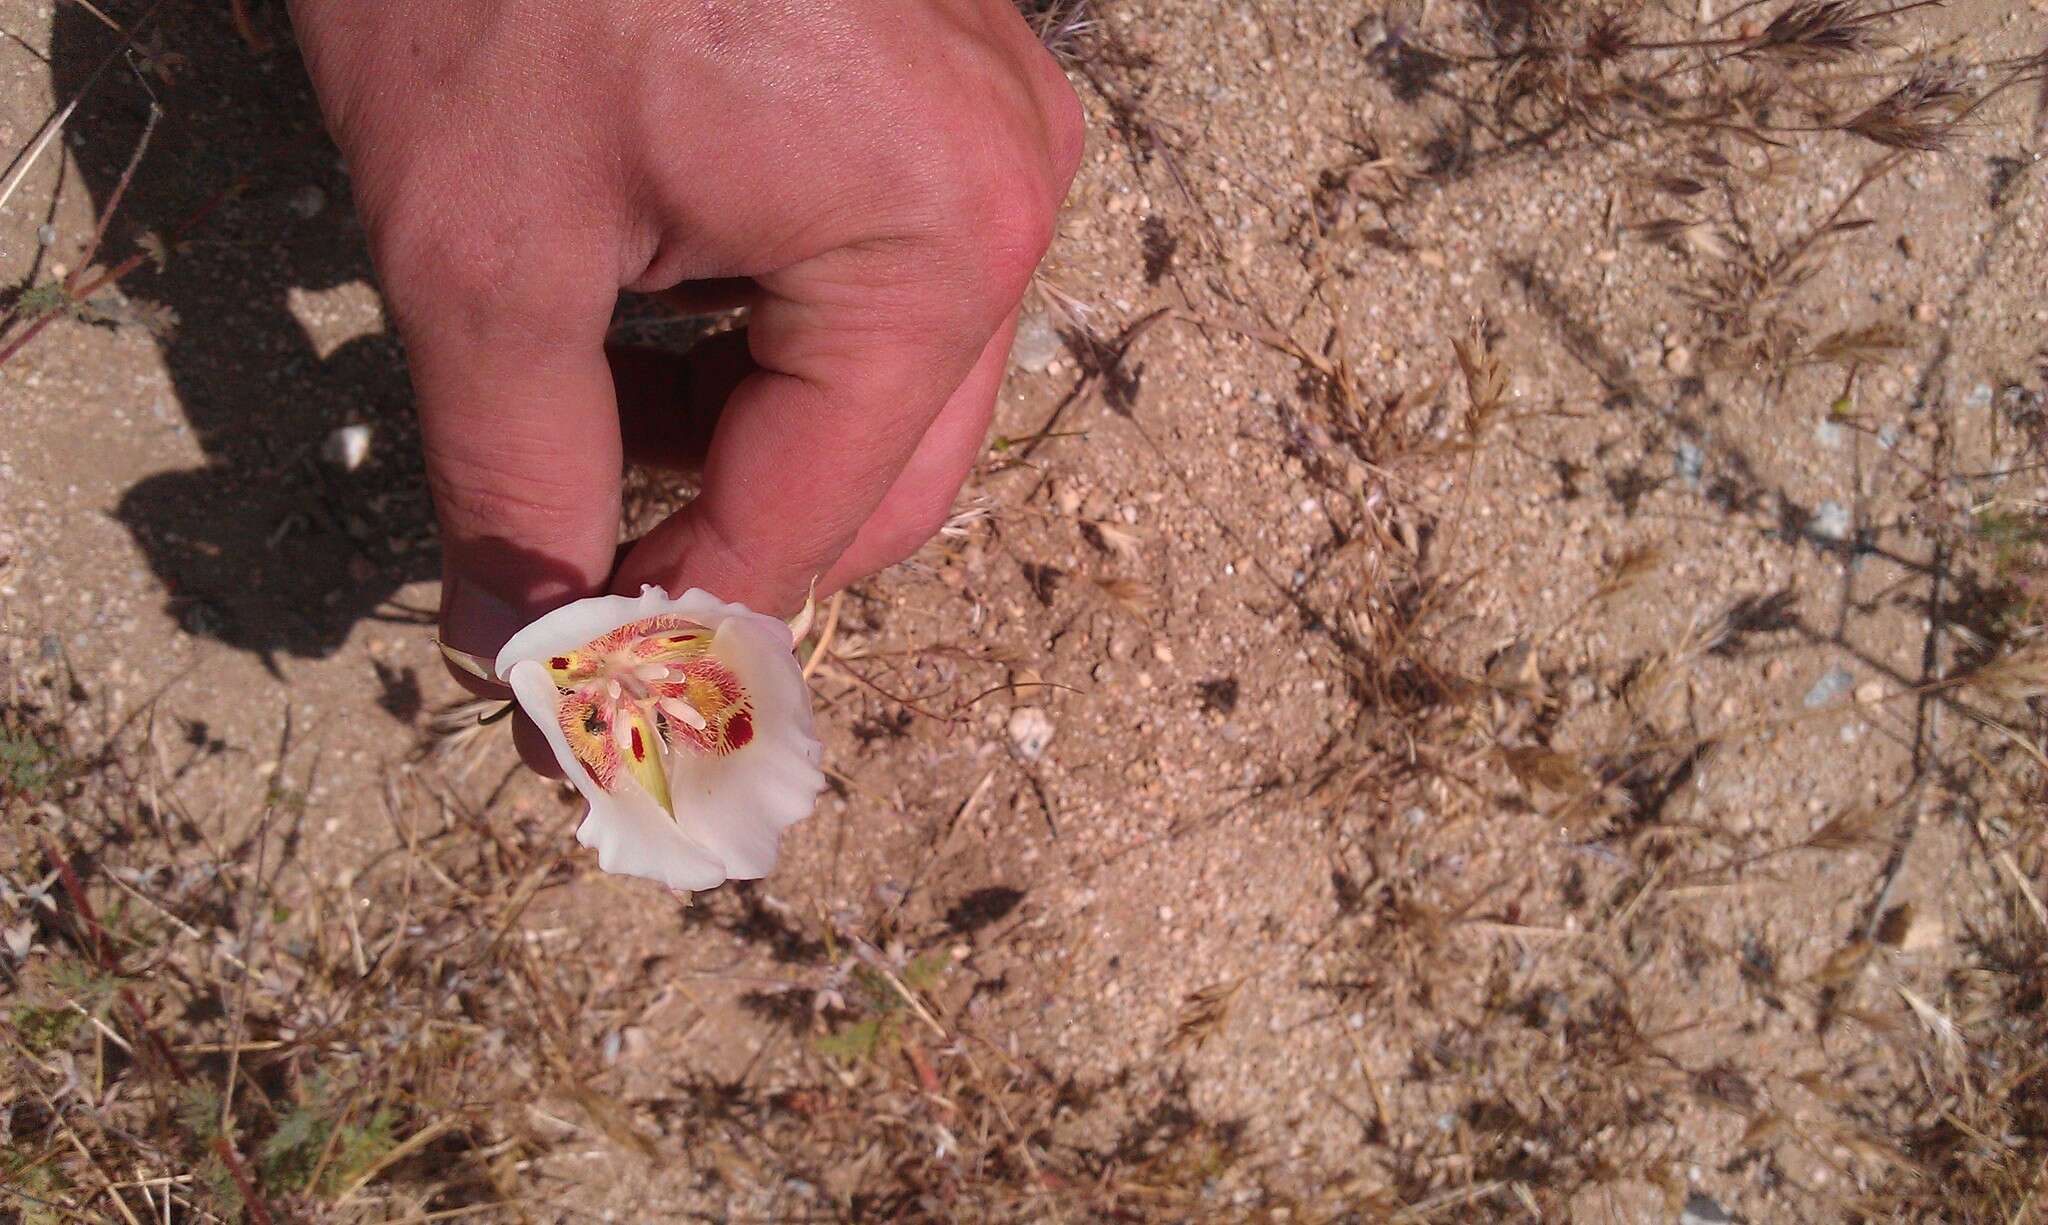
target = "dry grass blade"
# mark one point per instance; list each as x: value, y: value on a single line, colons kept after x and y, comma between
x: 1063, y: 26
x: 1946, y: 1035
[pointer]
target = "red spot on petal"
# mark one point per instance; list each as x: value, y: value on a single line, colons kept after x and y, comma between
x: 739, y: 729
x: 559, y: 663
x: 639, y: 749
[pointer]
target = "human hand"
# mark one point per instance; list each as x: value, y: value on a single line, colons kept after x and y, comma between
x: 876, y: 180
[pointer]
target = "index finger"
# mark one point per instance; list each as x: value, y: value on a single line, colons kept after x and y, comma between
x: 857, y: 359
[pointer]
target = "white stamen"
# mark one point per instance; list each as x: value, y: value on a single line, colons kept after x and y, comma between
x: 687, y: 714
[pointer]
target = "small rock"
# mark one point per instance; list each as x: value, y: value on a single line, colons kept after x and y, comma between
x: 1678, y: 360
x: 1031, y: 731
x: 1774, y: 670
x: 346, y: 448
x: 1833, y: 686
x: 1979, y: 397
x: 1829, y: 435
x: 46, y: 235
x: 1923, y: 312
x: 1870, y: 693
x: 1831, y: 522
x: 1703, y: 1209
x: 1037, y: 344
x: 307, y: 202
x: 1689, y: 461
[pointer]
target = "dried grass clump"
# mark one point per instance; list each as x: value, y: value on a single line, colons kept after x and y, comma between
x: 198, y: 1032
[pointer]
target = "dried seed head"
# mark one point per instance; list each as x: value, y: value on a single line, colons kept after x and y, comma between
x: 1486, y: 383
x: 1815, y: 31
x: 1609, y: 38
x: 1630, y: 571
x: 1860, y: 346
x: 1128, y: 594
x: 2019, y: 677
x: 1858, y: 829
x: 1919, y: 114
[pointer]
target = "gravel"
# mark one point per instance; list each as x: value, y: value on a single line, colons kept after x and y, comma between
x: 1833, y: 686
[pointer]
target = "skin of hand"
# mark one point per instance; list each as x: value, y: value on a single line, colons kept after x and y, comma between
x: 876, y: 180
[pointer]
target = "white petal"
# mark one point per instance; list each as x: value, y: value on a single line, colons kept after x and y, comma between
x: 739, y: 804
x: 573, y: 625
x: 629, y: 831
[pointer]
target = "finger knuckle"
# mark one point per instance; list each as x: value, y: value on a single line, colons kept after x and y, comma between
x: 1067, y: 127
x: 484, y: 272
x: 1014, y: 229
x: 473, y: 497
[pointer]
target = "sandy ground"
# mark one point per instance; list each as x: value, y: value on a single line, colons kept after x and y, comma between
x: 1177, y: 587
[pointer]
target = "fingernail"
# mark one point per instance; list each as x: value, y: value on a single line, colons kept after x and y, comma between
x: 474, y: 619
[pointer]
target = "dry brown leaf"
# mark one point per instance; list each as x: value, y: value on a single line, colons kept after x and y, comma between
x: 1535, y: 766
x: 1896, y: 925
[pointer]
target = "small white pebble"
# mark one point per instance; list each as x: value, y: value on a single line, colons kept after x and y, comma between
x: 346, y: 448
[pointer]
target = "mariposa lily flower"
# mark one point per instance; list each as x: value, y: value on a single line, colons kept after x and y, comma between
x: 686, y: 724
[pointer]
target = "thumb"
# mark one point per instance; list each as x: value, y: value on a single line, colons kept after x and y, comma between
x: 519, y: 426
